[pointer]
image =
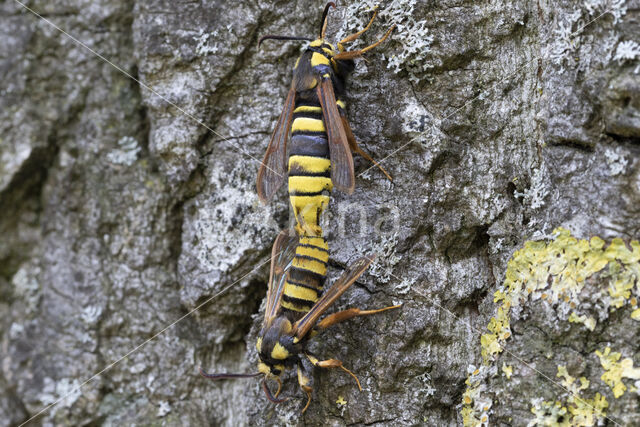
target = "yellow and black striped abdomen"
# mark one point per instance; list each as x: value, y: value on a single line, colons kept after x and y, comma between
x: 309, y: 167
x: 305, y: 277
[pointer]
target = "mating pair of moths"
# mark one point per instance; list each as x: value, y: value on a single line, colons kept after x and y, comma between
x: 319, y: 158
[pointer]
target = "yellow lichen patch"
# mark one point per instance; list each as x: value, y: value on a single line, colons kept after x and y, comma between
x: 475, y: 405
x: 569, y: 382
x: 500, y: 331
x: 589, y: 322
x: 577, y: 411
x: 468, y: 417
x: 620, y: 284
x: 615, y: 371
x: 507, y: 370
x: 549, y: 414
x: 484, y: 419
x: 587, y: 412
x: 341, y: 401
x: 555, y: 272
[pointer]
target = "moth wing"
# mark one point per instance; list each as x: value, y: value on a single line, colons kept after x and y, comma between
x: 342, y: 173
x: 351, y: 274
x: 284, y: 248
x: 273, y: 168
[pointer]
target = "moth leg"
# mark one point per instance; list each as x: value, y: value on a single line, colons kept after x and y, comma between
x: 279, y: 385
x: 305, y: 380
x: 341, y: 316
x: 353, y: 37
x: 333, y: 363
x: 357, y: 53
x: 353, y: 144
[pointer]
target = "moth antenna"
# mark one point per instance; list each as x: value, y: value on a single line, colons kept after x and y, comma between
x: 226, y: 376
x: 269, y: 395
x: 323, y: 23
x: 275, y: 37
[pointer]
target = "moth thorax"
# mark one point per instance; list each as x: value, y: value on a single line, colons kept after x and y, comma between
x: 328, y: 48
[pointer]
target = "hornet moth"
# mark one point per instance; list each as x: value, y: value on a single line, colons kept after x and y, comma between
x: 314, y: 113
x: 285, y: 332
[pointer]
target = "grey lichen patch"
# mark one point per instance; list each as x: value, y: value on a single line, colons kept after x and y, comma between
x: 627, y: 50
x: 412, y: 38
x: 66, y: 390
x: 127, y: 152
x: 616, y: 161
x: 207, y: 43
x: 227, y: 222
x: 172, y: 133
x: 583, y: 37
x: 538, y: 190
x: 386, y: 258
x: 569, y: 45
x: 27, y: 287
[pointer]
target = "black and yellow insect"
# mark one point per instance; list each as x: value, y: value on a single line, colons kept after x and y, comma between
x: 321, y: 138
x: 285, y: 330
x: 319, y: 158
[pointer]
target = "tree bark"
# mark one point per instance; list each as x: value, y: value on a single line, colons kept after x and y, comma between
x: 133, y: 238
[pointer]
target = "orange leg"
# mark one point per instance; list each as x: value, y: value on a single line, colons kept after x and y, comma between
x: 279, y: 386
x: 307, y: 390
x: 305, y: 381
x: 353, y: 144
x: 357, y: 53
x: 353, y: 37
x: 341, y: 316
x: 335, y: 363
x: 332, y: 363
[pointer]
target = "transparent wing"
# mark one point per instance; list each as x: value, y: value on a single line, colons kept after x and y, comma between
x: 342, y: 173
x: 351, y: 274
x: 273, y: 169
x: 284, y: 249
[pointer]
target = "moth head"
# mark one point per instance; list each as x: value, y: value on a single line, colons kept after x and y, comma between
x: 276, y: 347
x: 276, y: 350
x: 272, y: 357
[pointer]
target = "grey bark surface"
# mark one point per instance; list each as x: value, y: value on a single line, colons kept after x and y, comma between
x: 129, y: 214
